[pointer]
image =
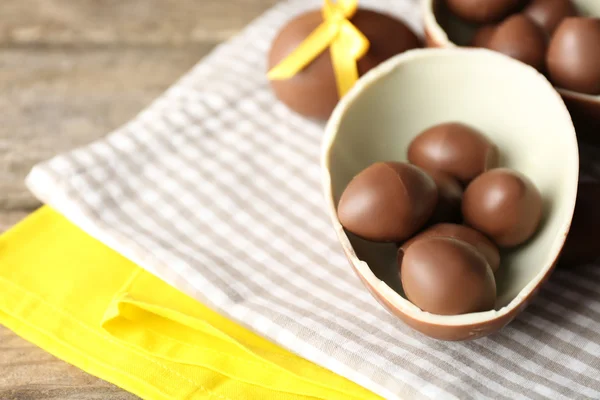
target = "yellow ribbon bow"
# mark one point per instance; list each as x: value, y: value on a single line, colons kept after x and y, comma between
x: 346, y: 42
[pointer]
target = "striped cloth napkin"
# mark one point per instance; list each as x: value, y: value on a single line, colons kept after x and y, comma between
x: 215, y: 188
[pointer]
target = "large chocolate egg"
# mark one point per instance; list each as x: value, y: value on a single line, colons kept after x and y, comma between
x: 450, y: 194
x: 453, y: 148
x: 549, y: 13
x: 446, y: 276
x: 387, y: 202
x: 573, y: 57
x: 460, y: 232
x: 522, y: 39
x: 503, y: 204
x: 482, y: 11
x: 313, y: 91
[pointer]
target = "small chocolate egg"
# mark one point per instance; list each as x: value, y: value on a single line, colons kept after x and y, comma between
x: 387, y: 202
x: 453, y: 148
x: 549, y: 13
x: 503, y: 204
x: 482, y: 11
x: 446, y: 276
x: 460, y: 232
x: 522, y: 39
x: 573, y: 57
x: 482, y: 36
x: 313, y: 91
x: 450, y: 194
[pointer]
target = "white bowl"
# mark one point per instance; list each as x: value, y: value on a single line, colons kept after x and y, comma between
x: 514, y: 105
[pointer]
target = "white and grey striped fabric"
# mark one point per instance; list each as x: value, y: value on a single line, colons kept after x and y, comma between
x: 215, y: 188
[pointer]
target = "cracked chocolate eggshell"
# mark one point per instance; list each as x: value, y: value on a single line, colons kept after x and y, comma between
x: 503, y: 204
x: 573, y: 56
x: 454, y: 148
x: 388, y: 202
x: 382, y: 114
x: 460, y: 232
x: 446, y: 276
x: 313, y: 91
x: 520, y: 38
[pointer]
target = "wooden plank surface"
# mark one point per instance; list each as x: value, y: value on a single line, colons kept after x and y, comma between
x: 55, y: 99
x: 70, y: 72
x: 110, y: 22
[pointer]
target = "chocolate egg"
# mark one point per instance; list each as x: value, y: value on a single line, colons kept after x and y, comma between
x: 573, y: 57
x: 446, y: 276
x: 450, y: 194
x: 549, y: 13
x: 313, y: 91
x: 453, y: 148
x: 522, y: 39
x: 460, y: 232
x: 482, y: 11
x: 482, y: 36
x: 387, y: 202
x: 503, y: 204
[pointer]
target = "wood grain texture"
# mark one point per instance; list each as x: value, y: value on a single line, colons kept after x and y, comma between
x: 55, y: 99
x: 70, y: 72
x: 149, y: 22
x: 28, y: 372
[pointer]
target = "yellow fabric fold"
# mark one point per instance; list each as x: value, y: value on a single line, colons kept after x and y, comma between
x: 77, y: 299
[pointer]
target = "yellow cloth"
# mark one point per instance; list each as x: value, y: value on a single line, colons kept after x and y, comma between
x: 81, y: 301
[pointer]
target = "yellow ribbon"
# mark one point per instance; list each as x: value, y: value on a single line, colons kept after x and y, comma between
x: 347, y: 45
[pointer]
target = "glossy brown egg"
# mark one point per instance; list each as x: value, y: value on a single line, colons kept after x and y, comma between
x: 388, y: 202
x: 482, y: 11
x: 573, y: 57
x: 520, y: 38
x: 503, y: 204
x: 313, y: 91
x: 460, y: 232
x: 482, y: 36
x: 549, y: 13
x: 446, y: 276
x: 454, y: 148
x: 450, y: 193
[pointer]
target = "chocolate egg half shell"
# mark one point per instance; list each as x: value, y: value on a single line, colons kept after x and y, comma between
x: 549, y: 13
x: 446, y: 276
x: 503, y: 204
x: 380, y: 117
x: 313, y: 91
x: 454, y: 148
x: 573, y: 56
x: 388, y: 202
x: 520, y: 38
x: 482, y: 11
x: 460, y: 232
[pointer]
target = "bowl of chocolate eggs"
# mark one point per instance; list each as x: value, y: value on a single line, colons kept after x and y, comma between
x: 560, y: 38
x: 451, y: 178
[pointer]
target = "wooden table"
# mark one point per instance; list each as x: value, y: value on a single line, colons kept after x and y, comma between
x: 70, y: 72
